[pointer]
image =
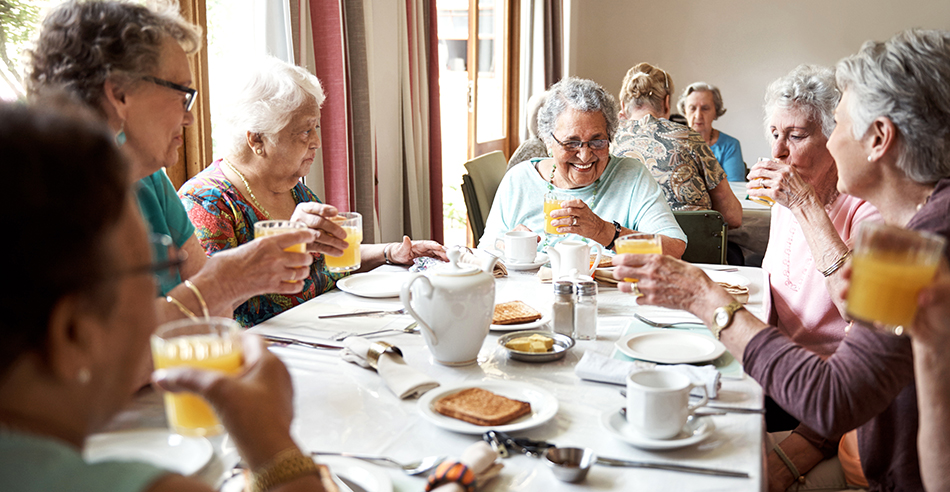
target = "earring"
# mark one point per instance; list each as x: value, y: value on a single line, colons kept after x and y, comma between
x: 120, y: 137
x: 869, y: 158
x: 84, y: 376
x: 259, y: 151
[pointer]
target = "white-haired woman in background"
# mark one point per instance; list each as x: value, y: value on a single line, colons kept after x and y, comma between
x: 701, y: 103
x: 274, y: 136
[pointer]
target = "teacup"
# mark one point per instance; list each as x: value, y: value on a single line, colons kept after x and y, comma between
x: 520, y: 246
x: 658, y: 402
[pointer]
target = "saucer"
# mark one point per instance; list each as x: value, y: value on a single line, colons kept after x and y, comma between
x: 539, y: 260
x: 695, y: 431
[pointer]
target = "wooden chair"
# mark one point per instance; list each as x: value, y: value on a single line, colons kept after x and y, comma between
x: 479, y: 186
x: 707, y: 234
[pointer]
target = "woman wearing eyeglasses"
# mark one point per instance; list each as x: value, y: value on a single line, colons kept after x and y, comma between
x: 605, y: 196
x: 129, y: 63
x: 679, y: 159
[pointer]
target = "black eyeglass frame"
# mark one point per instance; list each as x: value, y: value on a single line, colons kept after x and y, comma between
x: 189, y: 92
x: 156, y: 268
x: 576, y: 145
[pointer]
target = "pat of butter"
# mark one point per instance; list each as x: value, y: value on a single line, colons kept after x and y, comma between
x: 534, y: 344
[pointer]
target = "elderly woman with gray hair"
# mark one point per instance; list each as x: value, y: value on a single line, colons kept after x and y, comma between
x: 701, y: 103
x: 605, y: 196
x: 891, y: 147
x: 274, y: 127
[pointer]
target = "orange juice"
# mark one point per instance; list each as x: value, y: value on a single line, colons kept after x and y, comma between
x: 266, y: 228
x: 188, y: 413
x: 350, y: 260
x: 639, y: 244
x: 755, y: 184
x: 885, y: 289
x: 551, y: 203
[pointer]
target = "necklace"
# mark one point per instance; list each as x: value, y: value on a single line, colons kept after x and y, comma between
x: 248, y: 186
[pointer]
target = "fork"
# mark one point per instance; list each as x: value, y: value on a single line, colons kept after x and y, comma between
x: 417, y: 467
x: 339, y: 337
x: 656, y: 324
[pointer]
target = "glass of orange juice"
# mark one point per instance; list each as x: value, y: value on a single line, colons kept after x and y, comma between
x: 756, y: 184
x: 552, y: 201
x: 889, y: 268
x: 213, y: 344
x: 264, y: 228
x: 352, y: 223
x: 638, y: 243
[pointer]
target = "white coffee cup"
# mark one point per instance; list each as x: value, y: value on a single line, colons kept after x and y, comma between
x: 521, y: 246
x: 658, y: 402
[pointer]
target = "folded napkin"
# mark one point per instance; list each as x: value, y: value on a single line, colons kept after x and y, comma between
x: 479, y: 459
x: 478, y: 258
x: 598, y: 367
x: 402, y: 379
x: 605, y: 276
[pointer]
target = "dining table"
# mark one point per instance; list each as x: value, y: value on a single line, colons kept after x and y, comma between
x: 753, y: 235
x: 343, y: 407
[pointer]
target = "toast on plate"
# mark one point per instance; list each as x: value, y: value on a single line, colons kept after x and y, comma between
x: 513, y: 313
x: 481, y: 407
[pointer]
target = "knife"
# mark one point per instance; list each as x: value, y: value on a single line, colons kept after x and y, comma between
x: 671, y: 467
x: 294, y: 341
x: 361, y: 313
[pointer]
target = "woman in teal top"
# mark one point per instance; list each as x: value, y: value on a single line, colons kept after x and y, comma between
x: 702, y: 104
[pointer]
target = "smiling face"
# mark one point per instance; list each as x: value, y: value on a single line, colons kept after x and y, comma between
x: 797, y: 140
x: 700, y: 112
x: 579, y: 168
x: 156, y: 114
x: 292, y: 150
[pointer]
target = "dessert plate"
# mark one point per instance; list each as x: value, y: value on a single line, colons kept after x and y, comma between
x: 374, y: 284
x: 543, y: 406
x: 670, y: 347
x: 531, y: 325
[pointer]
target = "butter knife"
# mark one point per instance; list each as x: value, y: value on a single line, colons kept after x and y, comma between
x: 671, y: 467
x: 294, y: 341
x: 362, y: 313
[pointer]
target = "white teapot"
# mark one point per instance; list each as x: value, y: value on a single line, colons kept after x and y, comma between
x: 572, y: 258
x: 454, y: 305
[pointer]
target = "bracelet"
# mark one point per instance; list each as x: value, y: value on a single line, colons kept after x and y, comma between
x: 452, y: 471
x: 617, y: 230
x: 788, y: 463
x: 287, y: 465
x: 201, y: 299
x: 181, y: 307
x: 386, y: 257
x: 837, y: 264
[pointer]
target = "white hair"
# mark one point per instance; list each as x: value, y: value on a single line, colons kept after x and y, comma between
x: 905, y: 80
x: 266, y: 101
x: 809, y: 89
x: 581, y: 95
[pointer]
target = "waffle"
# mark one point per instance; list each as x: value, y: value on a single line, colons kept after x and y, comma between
x: 481, y: 407
x: 513, y: 313
x: 739, y: 292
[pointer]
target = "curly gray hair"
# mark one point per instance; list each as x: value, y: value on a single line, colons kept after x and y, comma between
x: 701, y: 87
x: 82, y: 44
x: 905, y: 80
x: 809, y: 89
x: 267, y: 100
x: 579, y: 94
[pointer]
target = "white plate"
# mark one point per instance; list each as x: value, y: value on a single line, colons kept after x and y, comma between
x: 159, y: 447
x: 695, y: 431
x: 366, y: 476
x: 670, y: 347
x: 374, y: 284
x: 538, y: 262
x: 728, y: 278
x: 543, y: 406
x: 523, y: 326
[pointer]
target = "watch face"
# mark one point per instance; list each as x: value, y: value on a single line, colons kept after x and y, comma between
x: 722, y: 318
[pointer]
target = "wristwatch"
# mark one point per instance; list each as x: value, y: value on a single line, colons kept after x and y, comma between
x: 722, y: 317
x: 617, y: 231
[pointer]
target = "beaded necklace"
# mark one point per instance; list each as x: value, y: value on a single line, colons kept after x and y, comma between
x: 248, y: 186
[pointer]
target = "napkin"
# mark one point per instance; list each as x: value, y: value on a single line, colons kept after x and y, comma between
x: 479, y: 259
x: 479, y: 458
x: 598, y: 367
x: 402, y: 379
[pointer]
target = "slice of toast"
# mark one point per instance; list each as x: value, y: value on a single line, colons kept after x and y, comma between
x: 481, y: 407
x: 514, y: 312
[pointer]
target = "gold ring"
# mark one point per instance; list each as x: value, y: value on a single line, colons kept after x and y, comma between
x: 574, y: 223
x: 636, y: 290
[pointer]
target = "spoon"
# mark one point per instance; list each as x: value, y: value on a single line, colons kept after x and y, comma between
x: 417, y: 467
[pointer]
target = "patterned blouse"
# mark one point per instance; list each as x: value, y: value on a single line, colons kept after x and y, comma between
x: 678, y: 157
x: 223, y: 219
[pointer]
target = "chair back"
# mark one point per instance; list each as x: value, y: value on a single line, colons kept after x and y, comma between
x: 707, y: 234
x: 479, y: 187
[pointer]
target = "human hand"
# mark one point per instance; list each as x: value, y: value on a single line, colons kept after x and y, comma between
x: 576, y: 217
x: 403, y: 253
x: 668, y: 282
x: 256, y: 407
x: 780, y: 182
x: 330, y: 238
x: 262, y: 266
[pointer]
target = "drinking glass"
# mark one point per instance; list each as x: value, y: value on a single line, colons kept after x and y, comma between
x: 266, y: 228
x: 639, y: 243
x: 756, y: 184
x: 552, y: 201
x: 212, y: 344
x: 889, y: 268
x: 352, y: 223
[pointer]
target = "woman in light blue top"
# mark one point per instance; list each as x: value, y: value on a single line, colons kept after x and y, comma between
x: 605, y: 196
x: 701, y: 103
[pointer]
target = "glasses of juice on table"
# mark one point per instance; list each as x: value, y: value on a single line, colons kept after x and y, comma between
x: 208, y: 343
x: 639, y: 243
x: 352, y: 223
x: 889, y: 268
x: 266, y: 228
x: 756, y: 184
x: 552, y: 201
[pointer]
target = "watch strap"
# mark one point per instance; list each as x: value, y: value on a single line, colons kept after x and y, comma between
x: 617, y: 230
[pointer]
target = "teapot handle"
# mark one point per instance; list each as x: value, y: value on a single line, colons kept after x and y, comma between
x: 405, y: 295
x: 600, y: 253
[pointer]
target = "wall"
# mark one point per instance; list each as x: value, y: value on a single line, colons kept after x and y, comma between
x: 738, y: 45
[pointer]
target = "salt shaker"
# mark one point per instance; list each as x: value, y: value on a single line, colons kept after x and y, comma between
x: 585, y: 311
x: 563, y: 308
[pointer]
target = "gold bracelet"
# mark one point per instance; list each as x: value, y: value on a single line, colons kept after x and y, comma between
x: 287, y: 465
x: 201, y: 299
x: 837, y: 264
x: 181, y: 307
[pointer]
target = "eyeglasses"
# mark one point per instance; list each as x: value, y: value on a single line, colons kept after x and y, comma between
x: 189, y: 92
x: 597, y: 144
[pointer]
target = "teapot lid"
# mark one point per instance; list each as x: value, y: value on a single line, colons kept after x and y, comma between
x: 454, y: 268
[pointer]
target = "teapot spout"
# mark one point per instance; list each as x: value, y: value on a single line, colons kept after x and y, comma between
x: 488, y: 264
